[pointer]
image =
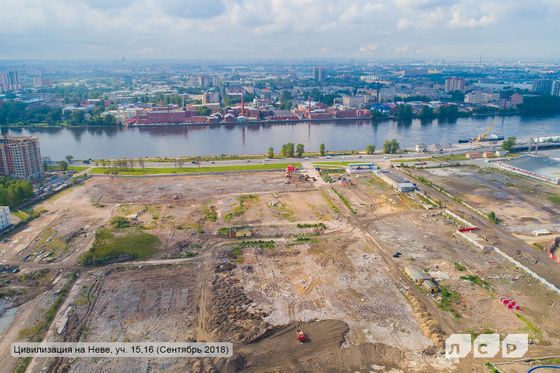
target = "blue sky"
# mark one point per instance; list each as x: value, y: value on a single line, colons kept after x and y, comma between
x: 452, y: 29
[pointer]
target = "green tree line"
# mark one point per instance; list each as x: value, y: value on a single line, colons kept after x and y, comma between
x: 14, y: 192
x: 19, y: 113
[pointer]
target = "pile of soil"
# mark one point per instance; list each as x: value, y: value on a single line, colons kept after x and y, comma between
x: 234, y: 316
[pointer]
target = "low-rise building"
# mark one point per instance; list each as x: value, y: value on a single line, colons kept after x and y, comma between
x: 354, y: 101
x: 399, y: 183
x: 473, y: 155
x: 361, y: 168
x: 421, y: 148
x: 5, y: 217
x: 416, y: 274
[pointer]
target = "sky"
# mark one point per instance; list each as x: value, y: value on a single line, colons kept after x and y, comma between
x: 272, y: 29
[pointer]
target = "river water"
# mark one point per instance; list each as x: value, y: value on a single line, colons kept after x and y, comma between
x: 103, y: 142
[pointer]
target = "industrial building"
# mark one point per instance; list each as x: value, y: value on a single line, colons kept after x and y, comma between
x: 20, y: 157
x: 421, y: 278
x: 5, y: 217
x: 399, y: 183
x: 541, y: 168
x: 416, y: 274
x: 361, y: 168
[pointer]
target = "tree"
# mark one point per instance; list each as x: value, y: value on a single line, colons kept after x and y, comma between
x: 426, y: 112
x: 370, y: 149
x: 141, y: 163
x: 508, y: 144
x: 322, y: 150
x: 63, y: 165
x: 285, y: 100
x: 376, y: 114
x: 203, y: 111
x: 13, y: 192
x: 288, y: 150
x: 492, y: 217
x: 300, y: 150
x: 540, y: 105
x: 448, y: 111
x: 271, y: 152
x: 457, y: 96
x: 391, y: 146
x: 69, y: 158
x: 404, y: 112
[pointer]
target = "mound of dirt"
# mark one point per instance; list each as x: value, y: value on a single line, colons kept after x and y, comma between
x: 233, y: 315
x: 280, y: 351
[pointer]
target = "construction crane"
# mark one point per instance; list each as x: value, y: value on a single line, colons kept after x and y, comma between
x: 486, y: 132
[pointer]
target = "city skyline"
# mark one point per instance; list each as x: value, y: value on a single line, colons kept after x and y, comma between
x: 279, y: 29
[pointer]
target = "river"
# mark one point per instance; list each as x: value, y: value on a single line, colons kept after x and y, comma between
x: 103, y: 142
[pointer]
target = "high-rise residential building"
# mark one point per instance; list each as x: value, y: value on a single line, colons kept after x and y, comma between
x: 37, y: 81
x: 455, y: 84
x: 555, y: 88
x: 204, y: 80
x: 543, y: 86
x: 13, y: 80
x: 20, y: 157
x: 9, y: 81
x: 3, y: 82
x: 317, y: 73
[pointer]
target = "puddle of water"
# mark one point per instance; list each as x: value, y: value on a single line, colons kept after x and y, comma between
x: 6, y: 319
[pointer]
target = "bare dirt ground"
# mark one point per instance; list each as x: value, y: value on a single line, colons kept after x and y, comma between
x: 522, y: 203
x: 329, y: 271
x: 336, y: 277
x: 183, y: 189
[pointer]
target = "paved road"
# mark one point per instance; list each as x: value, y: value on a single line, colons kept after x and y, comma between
x: 335, y: 158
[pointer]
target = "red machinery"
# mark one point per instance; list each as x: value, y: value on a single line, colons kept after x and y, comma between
x: 301, y: 336
x: 468, y: 229
x: 510, y: 304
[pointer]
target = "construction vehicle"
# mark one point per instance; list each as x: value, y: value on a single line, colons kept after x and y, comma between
x: 487, y: 136
x: 301, y: 336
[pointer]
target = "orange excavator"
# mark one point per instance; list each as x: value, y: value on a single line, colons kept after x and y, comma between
x: 301, y: 336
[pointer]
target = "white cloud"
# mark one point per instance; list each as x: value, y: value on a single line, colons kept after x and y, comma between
x: 368, y: 49
x: 404, y: 24
x: 402, y: 49
x: 422, y: 4
x: 269, y: 28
